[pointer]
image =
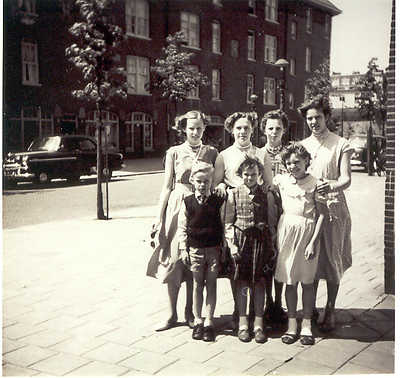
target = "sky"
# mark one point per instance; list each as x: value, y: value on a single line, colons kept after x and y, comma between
x: 360, y: 32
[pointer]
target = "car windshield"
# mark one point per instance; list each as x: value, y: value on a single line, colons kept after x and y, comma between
x: 358, y: 141
x: 45, y: 144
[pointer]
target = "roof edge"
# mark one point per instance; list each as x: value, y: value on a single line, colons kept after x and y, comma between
x: 325, y: 5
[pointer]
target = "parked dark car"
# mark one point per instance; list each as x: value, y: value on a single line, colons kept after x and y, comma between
x: 64, y: 156
x: 359, y: 156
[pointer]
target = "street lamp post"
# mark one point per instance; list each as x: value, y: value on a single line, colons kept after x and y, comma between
x: 282, y: 64
x: 253, y: 99
x: 341, y: 98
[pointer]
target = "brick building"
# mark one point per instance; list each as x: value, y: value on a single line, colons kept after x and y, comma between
x: 236, y: 44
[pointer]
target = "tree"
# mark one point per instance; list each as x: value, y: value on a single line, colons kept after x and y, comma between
x: 320, y: 82
x: 93, y: 55
x: 174, y: 75
x: 373, y: 94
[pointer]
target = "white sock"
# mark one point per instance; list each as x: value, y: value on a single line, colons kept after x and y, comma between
x: 306, y: 327
x: 198, y: 321
x: 292, y: 326
x: 208, y: 322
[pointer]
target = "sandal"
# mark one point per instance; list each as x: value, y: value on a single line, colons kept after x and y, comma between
x: 289, y: 338
x: 307, y: 340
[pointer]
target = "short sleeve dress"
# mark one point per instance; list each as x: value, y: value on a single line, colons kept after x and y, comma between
x: 335, y: 254
x: 165, y: 263
x: 295, y: 229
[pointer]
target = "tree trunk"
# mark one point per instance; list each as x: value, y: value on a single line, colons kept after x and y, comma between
x: 100, y: 210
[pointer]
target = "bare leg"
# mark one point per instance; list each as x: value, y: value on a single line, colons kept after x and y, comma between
x: 269, y: 299
x: 291, y: 301
x: 308, y: 299
x: 189, y: 317
x: 235, y: 315
x: 173, y: 291
x: 259, y: 302
x: 198, y: 278
x: 333, y: 289
x: 211, y: 299
x: 241, y: 299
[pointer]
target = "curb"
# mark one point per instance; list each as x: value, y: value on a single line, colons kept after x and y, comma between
x: 123, y: 174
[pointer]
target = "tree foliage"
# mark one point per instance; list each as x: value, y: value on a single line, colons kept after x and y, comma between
x: 93, y: 53
x: 373, y: 94
x: 174, y: 75
x: 320, y: 82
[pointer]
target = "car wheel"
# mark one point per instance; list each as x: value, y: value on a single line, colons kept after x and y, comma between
x: 42, y: 178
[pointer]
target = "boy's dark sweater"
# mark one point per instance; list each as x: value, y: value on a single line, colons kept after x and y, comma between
x: 204, y: 226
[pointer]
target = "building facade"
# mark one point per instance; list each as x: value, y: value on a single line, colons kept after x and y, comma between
x: 236, y: 44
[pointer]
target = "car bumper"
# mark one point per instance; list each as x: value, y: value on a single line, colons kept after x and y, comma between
x: 356, y: 162
x: 15, y: 172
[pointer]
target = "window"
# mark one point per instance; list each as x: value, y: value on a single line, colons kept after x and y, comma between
x: 327, y: 25
x: 291, y: 101
x: 251, y: 53
x: 292, y: 66
x: 28, y: 6
x: 216, y: 37
x: 250, y: 87
x: 190, y: 26
x: 293, y: 30
x: 111, y: 129
x: 137, y: 17
x: 194, y: 93
x: 87, y: 145
x: 308, y: 59
x: 30, y: 65
x: 271, y: 13
x: 252, y: 7
x: 270, y: 49
x: 269, y: 93
x: 136, y: 123
x: 308, y: 20
x: 137, y: 74
x: 234, y: 48
x: 216, y: 85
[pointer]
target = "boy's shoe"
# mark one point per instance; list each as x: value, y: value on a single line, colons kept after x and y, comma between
x: 198, y: 332
x: 307, y: 340
x: 259, y: 336
x: 209, y: 333
x: 244, y: 335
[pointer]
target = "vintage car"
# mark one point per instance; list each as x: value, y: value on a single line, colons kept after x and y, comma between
x: 359, y: 156
x: 63, y: 156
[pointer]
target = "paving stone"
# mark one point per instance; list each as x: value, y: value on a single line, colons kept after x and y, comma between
x: 124, y: 335
x: 157, y: 343
x: 383, y: 347
x: 46, y: 338
x: 264, y: 366
x: 148, y: 362
x: 91, y: 329
x: 28, y: 355
x: 111, y: 353
x: 8, y: 322
x: 351, y: 368
x: 382, y: 362
x: 11, y: 345
x: 196, y: 351
x: 387, y: 303
x: 301, y: 367
x: 186, y: 368
x: 78, y: 345
x: 233, y: 360
x: 63, y: 323
x: 355, y: 331
x: 227, y: 373
x: 13, y: 370
x: 60, y: 364
x: 96, y: 368
x: 20, y: 330
x: 35, y: 317
x: 232, y: 343
x: 277, y: 350
x: 352, y: 346
x: 132, y: 372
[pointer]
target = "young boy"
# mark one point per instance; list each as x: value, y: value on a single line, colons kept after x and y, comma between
x: 200, y: 233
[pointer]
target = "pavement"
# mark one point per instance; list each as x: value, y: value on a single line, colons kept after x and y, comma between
x: 76, y: 302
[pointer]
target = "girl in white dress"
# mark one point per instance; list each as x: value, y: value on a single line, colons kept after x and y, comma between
x: 298, y: 232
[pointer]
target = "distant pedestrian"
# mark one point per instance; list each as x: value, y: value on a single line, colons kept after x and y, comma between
x: 166, y: 263
x: 200, y: 234
x: 247, y: 235
x: 241, y: 126
x: 298, y: 232
x: 273, y: 125
x: 330, y: 163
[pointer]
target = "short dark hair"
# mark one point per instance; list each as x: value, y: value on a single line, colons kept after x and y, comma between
x: 181, y: 121
x: 274, y: 114
x: 249, y: 162
x: 230, y: 121
x: 297, y: 149
x: 320, y: 102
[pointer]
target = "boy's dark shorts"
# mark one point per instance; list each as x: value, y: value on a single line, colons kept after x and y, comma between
x: 204, y: 257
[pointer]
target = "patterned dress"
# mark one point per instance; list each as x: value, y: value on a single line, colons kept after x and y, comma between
x: 276, y: 161
x: 165, y: 264
x: 335, y: 254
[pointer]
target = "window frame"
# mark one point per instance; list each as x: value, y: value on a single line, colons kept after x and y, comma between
x: 251, y: 36
x: 309, y: 21
x: 327, y: 26
x: 292, y: 66
x: 268, y: 91
x: 30, y: 68
x: 194, y: 94
x: 216, y: 84
x: 291, y: 100
x: 271, y: 8
x: 133, y: 11
x: 268, y: 48
x: 251, y: 11
x: 293, y: 33
x: 189, y: 31
x: 216, y: 37
x: 308, y: 59
x: 250, y: 82
x: 137, y: 75
x: 233, y: 42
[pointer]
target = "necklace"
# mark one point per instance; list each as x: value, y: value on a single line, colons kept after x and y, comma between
x: 273, y: 150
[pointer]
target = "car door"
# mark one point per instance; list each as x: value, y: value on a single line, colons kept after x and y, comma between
x: 68, y: 156
x: 88, y: 157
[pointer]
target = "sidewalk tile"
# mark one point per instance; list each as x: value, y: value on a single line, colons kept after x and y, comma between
x: 132, y: 372
x: 78, y: 345
x: 379, y: 361
x: 186, y: 368
x: 11, y: 345
x: 27, y: 355
x: 277, y: 350
x: 91, y: 329
x: 159, y: 344
x: 35, y: 317
x: 383, y: 347
x: 387, y: 303
x: 300, y: 367
x: 148, y: 362
x: 8, y: 322
x: 233, y: 344
x: 13, y: 370
x: 111, y: 353
x: 96, y: 368
x: 124, y: 335
x: 355, y: 331
x: 233, y: 360
x: 60, y: 364
x: 264, y: 366
x: 351, y: 368
x: 227, y: 373
x: 20, y: 330
x: 63, y: 323
x: 196, y: 351
x: 46, y: 338
x: 11, y: 311
x: 353, y: 346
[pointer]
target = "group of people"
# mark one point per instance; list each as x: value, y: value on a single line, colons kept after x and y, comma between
x: 278, y: 213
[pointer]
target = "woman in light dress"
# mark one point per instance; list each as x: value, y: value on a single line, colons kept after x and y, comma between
x: 330, y: 163
x: 166, y: 263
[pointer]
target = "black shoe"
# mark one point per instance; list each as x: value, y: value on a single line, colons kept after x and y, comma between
x: 209, y: 333
x: 244, y: 335
x: 288, y: 338
x: 198, y: 332
x: 307, y: 340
